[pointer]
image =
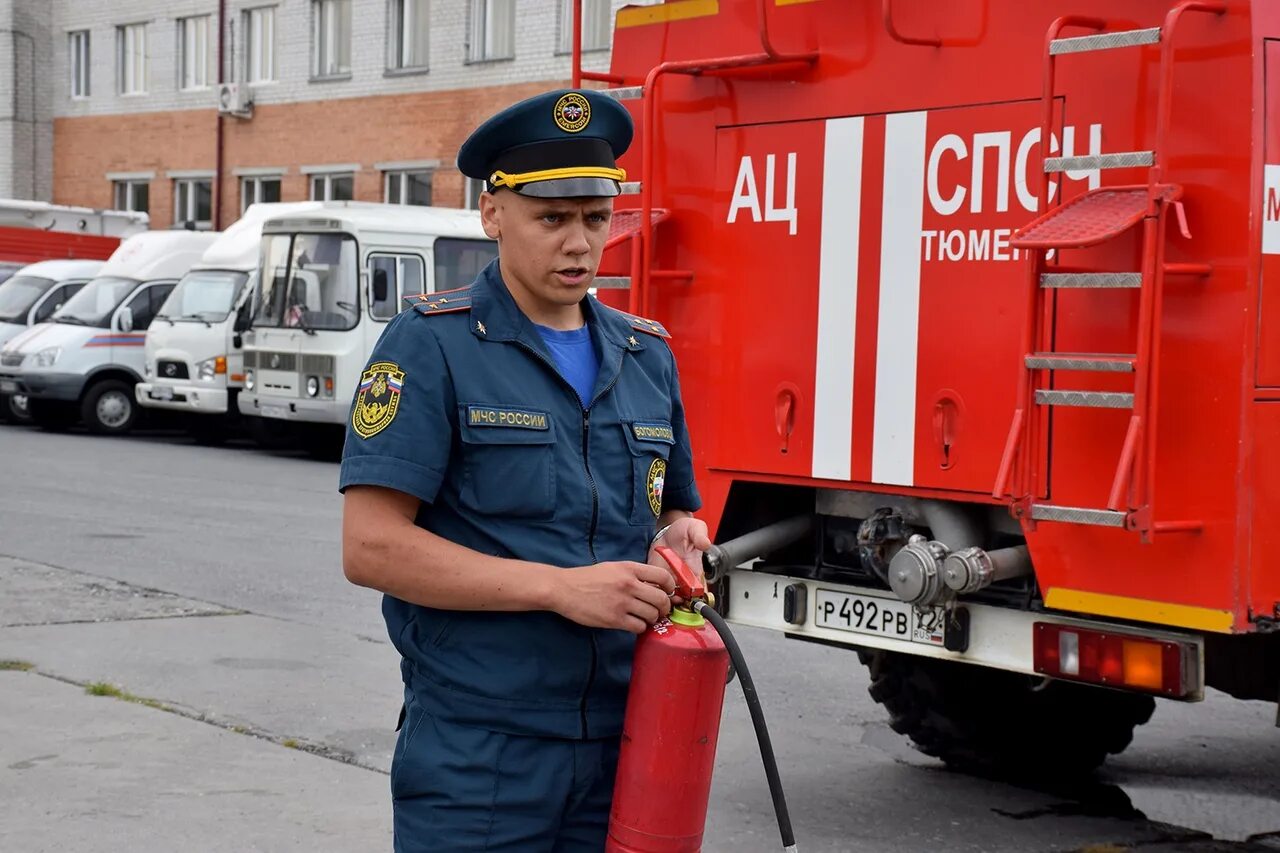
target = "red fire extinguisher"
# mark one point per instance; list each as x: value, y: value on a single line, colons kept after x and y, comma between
x: 669, y: 733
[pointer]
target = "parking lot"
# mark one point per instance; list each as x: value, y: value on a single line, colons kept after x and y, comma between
x: 253, y: 693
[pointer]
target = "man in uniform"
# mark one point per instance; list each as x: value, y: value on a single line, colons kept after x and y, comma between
x: 516, y: 450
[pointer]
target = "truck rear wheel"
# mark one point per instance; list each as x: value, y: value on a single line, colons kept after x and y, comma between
x: 1005, y: 724
x: 109, y: 408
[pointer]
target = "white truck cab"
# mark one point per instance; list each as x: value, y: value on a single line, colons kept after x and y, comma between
x: 331, y: 280
x: 194, y: 363
x: 30, y: 296
x: 83, y: 364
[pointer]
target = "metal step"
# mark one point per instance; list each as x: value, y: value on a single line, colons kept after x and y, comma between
x: 630, y: 188
x: 1077, y: 515
x: 1085, y: 399
x: 625, y: 93
x: 1081, y: 361
x: 1123, y: 160
x: 1091, y: 279
x: 612, y: 282
x: 1104, y: 41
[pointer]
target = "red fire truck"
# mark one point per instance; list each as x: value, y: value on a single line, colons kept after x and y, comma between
x: 32, y: 231
x: 977, y: 308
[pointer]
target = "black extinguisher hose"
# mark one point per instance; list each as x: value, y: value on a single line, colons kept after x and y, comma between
x: 757, y: 720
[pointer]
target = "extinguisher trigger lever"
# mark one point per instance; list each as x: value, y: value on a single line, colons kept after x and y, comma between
x: 689, y: 584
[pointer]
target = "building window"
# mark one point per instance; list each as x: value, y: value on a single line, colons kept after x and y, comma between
x: 409, y: 33
x: 338, y: 186
x: 331, y: 38
x: 596, y: 24
x: 493, y: 30
x: 133, y: 195
x: 408, y: 188
x: 260, y: 45
x: 78, y: 43
x: 194, y: 57
x: 258, y: 189
x: 471, y: 193
x: 131, y: 64
x: 193, y: 202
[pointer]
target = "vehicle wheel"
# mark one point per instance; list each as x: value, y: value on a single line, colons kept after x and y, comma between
x: 51, y: 415
x: 109, y: 408
x: 13, y: 409
x: 1004, y: 724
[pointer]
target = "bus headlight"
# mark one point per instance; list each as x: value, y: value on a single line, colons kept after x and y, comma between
x: 249, y: 380
x: 313, y: 386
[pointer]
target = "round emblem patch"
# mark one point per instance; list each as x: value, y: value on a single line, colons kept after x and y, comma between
x: 653, y: 487
x: 572, y: 113
x: 377, y: 398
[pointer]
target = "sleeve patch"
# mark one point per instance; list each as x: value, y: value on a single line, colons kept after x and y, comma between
x: 377, y: 398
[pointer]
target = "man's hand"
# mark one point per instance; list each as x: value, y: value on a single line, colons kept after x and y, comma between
x: 688, y: 537
x: 625, y: 595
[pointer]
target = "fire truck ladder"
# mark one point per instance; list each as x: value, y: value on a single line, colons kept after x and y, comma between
x: 637, y: 225
x: 1095, y: 217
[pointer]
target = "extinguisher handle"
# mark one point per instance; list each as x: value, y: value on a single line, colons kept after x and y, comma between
x: 689, y: 584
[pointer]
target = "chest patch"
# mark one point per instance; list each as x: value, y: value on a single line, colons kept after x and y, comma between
x: 656, y: 480
x: 653, y: 431
x: 494, y: 416
x: 377, y: 399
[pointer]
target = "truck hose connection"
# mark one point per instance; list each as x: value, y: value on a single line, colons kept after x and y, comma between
x: 757, y: 721
x: 757, y: 543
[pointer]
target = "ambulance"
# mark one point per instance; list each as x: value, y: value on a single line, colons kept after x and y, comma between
x: 194, y: 362
x: 83, y: 364
x: 29, y: 297
x: 331, y: 279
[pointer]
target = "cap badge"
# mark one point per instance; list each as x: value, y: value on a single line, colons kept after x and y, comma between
x: 572, y: 112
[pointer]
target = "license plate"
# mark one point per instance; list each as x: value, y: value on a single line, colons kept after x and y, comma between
x: 8, y: 386
x: 161, y: 394
x: 882, y: 617
x: 275, y: 412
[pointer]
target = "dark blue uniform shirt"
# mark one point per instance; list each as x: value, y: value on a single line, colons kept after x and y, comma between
x: 462, y: 406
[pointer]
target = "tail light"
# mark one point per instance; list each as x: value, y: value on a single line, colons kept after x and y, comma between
x: 1147, y: 664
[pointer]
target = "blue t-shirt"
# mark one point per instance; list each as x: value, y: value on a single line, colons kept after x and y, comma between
x: 575, y: 356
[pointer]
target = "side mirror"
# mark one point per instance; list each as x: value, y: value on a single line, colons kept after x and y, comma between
x: 236, y: 341
x: 379, y: 285
x: 242, y: 318
x: 126, y: 319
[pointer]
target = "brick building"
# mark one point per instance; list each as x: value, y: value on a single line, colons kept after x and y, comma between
x: 363, y: 99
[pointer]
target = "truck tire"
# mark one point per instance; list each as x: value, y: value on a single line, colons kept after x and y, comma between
x: 13, y: 409
x: 1003, y: 724
x: 51, y: 415
x: 109, y: 408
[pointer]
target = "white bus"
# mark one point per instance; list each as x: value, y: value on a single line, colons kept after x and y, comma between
x: 330, y: 281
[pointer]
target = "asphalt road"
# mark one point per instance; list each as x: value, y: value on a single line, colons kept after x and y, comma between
x: 255, y: 535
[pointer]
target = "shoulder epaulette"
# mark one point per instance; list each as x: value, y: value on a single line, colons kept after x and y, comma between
x: 442, y: 302
x: 649, y: 327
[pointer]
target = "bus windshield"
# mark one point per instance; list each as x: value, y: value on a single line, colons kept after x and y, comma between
x: 94, y: 305
x: 204, y: 296
x: 309, y: 282
x: 18, y: 294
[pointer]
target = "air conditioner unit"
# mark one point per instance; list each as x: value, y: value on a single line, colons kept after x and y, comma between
x: 234, y: 99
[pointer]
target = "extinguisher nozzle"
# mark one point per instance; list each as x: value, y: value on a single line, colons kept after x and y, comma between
x: 757, y: 721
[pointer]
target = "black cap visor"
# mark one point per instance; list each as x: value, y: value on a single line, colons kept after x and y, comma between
x: 571, y: 188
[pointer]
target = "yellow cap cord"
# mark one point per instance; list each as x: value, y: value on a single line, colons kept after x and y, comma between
x: 504, y: 179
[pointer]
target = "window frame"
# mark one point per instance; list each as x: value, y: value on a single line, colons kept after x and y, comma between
x: 129, y: 39
x: 256, y: 181
x: 332, y: 43
x: 130, y: 186
x: 191, y: 183
x: 328, y: 178
x: 480, y: 14
x: 604, y: 8
x: 263, y: 20
x: 398, y: 300
x: 401, y: 176
x: 401, y: 56
x: 472, y: 188
x: 79, y: 47
x: 185, y: 45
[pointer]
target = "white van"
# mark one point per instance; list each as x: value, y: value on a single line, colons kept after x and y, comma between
x: 330, y: 281
x: 84, y: 363
x: 193, y: 358
x: 30, y: 297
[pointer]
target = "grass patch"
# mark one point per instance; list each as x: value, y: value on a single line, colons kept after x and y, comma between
x: 102, y: 688
x: 291, y: 743
x: 16, y: 666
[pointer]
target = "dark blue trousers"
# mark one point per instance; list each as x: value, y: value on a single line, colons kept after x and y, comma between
x: 455, y: 787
